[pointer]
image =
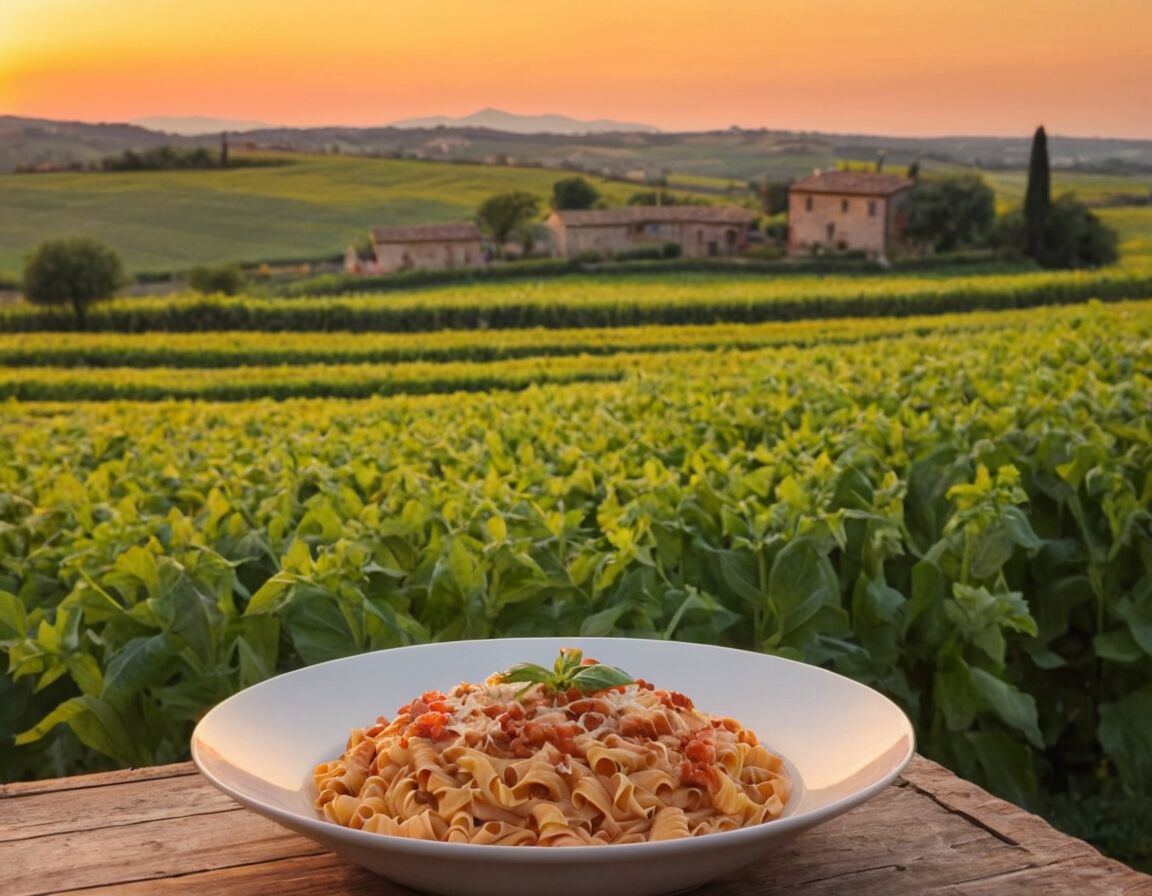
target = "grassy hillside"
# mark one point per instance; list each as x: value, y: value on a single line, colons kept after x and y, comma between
x: 164, y: 220
x: 313, y: 207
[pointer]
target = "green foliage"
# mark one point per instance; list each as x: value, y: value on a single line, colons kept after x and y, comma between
x: 574, y: 193
x: 75, y: 271
x: 1037, y: 196
x: 951, y: 213
x: 1073, y: 236
x: 225, y: 280
x: 508, y: 215
x: 958, y: 520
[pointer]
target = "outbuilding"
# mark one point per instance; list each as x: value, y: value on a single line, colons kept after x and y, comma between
x: 848, y: 211
x: 699, y: 230
x: 422, y: 246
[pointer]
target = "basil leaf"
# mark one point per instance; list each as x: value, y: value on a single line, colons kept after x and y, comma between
x: 526, y: 672
x: 598, y: 677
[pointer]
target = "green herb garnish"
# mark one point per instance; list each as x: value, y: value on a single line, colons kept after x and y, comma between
x: 568, y: 672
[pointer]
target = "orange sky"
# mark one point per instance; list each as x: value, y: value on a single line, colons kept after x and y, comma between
x: 875, y: 66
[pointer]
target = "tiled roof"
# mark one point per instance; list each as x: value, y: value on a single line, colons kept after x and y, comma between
x: 858, y: 183
x: 440, y: 233
x: 656, y: 214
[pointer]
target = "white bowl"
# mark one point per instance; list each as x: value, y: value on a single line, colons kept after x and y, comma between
x: 843, y: 743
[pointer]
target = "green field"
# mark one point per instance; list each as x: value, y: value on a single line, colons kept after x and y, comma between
x: 312, y: 208
x: 1134, y: 225
x: 160, y: 221
x: 1089, y: 188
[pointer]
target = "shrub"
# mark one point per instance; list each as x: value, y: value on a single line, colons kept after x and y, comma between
x: 1073, y: 237
x: 574, y: 193
x: 226, y: 279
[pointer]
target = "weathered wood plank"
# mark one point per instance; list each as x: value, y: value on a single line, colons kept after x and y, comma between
x: 108, y: 806
x: 150, y: 850
x: 99, y: 779
x: 304, y: 876
x: 1058, y: 860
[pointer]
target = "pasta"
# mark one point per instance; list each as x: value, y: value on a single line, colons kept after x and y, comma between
x: 514, y: 765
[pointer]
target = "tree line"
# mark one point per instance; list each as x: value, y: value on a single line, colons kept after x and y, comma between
x: 959, y: 212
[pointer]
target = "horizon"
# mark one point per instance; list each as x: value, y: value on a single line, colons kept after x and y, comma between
x: 898, y: 68
x: 137, y: 121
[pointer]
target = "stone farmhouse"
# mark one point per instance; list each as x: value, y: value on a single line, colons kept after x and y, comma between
x: 700, y: 230
x: 848, y: 211
x: 423, y: 246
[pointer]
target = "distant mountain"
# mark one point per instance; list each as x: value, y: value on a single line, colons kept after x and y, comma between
x: 497, y: 120
x: 31, y: 142
x: 493, y: 137
x: 193, y: 126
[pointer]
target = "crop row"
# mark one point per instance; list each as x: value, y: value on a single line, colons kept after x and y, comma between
x: 306, y: 380
x: 961, y: 522
x: 552, y: 360
x: 262, y: 348
x: 611, y: 301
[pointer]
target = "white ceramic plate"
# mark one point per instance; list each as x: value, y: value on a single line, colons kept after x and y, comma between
x: 843, y: 743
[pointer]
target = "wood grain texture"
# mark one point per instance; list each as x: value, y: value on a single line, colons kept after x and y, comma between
x: 99, y: 779
x: 168, y: 831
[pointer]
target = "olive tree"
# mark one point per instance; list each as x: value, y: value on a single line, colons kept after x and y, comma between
x: 506, y: 215
x: 74, y: 271
x: 951, y: 213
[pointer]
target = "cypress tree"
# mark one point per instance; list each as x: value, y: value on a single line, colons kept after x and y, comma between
x: 1038, y: 197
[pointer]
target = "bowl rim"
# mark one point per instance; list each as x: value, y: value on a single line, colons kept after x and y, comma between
x: 489, y: 853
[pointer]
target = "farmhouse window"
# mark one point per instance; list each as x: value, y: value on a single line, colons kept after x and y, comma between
x: 831, y: 231
x: 653, y: 229
x: 872, y: 208
x: 843, y: 205
x: 808, y: 204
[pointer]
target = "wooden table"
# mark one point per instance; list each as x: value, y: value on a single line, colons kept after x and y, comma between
x: 166, y: 830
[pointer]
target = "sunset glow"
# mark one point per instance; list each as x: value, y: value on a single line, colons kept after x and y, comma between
x: 888, y: 66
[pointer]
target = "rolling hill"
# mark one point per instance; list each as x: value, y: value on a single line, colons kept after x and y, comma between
x: 311, y: 208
